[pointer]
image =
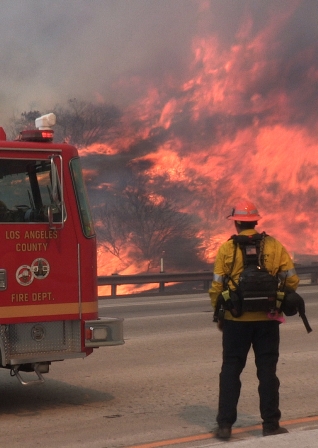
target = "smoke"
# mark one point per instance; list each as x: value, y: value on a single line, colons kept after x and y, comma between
x: 104, y: 50
x: 53, y: 51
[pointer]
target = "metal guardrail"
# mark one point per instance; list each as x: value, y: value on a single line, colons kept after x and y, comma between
x: 163, y: 278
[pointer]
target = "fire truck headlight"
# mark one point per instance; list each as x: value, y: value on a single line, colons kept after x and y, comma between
x: 104, y: 331
x: 99, y: 334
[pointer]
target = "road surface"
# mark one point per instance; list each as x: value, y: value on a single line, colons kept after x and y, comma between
x: 161, y: 385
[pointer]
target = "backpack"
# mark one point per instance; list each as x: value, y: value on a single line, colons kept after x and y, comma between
x: 256, y: 288
x: 254, y: 281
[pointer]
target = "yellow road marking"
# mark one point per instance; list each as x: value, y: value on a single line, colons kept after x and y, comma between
x: 198, y: 437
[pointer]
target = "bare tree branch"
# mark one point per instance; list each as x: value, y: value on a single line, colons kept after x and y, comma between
x: 82, y: 124
x: 147, y: 226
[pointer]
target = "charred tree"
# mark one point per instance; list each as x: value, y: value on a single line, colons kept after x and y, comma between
x: 82, y: 124
x: 149, y: 225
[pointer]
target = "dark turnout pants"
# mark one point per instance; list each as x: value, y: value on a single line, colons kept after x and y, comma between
x: 238, y: 337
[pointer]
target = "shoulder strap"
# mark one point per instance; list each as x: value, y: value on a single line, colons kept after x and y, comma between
x: 258, y: 240
x: 243, y: 241
x: 228, y: 277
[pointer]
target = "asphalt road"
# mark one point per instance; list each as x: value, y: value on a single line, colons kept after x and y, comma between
x: 161, y: 385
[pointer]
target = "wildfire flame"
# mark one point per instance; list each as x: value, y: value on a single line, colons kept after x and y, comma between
x: 236, y: 126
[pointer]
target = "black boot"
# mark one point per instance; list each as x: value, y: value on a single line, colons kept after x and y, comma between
x: 224, y: 432
x: 274, y: 432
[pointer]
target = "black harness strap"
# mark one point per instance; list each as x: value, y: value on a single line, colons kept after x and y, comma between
x: 256, y: 259
x: 228, y: 276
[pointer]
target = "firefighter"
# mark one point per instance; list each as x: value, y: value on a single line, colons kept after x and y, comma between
x: 258, y: 329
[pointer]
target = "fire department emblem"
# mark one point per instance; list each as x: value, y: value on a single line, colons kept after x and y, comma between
x: 24, y: 275
x: 40, y: 268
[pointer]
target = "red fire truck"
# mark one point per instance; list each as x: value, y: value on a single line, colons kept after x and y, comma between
x: 48, y: 272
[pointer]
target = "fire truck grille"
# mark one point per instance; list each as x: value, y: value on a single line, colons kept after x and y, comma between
x: 41, y: 338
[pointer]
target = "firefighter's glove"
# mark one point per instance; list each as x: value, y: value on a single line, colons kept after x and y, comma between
x: 220, y: 325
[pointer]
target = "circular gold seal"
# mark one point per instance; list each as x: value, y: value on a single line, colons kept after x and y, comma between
x: 40, y: 268
x: 24, y: 275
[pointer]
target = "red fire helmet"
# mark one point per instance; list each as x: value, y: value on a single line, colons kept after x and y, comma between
x: 244, y: 211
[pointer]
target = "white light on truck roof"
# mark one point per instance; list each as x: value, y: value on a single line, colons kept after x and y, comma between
x: 46, y: 121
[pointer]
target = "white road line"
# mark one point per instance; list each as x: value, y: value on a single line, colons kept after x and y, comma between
x: 164, y: 302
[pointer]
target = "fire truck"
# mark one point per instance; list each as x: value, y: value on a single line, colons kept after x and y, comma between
x: 48, y: 263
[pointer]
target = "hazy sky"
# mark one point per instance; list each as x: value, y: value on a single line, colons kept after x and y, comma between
x: 54, y: 50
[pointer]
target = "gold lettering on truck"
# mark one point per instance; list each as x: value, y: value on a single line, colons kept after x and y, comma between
x: 34, y: 297
x: 31, y: 247
x: 40, y: 234
x: 41, y: 296
x: 20, y: 297
x: 12, y: 234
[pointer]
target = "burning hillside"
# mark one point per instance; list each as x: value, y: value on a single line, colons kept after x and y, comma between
x: 241, y: 122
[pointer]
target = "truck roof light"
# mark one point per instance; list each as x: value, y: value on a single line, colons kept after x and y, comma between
x: 36, y: 135
x: 43, y: 131
x: 45, y: 121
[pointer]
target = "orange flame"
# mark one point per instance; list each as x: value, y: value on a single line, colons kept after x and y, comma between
x: 232, y: 129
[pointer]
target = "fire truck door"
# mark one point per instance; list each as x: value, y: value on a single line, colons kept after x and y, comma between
x: 41, y: 260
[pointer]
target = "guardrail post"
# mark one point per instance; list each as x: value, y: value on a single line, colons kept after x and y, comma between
x: 113, y: 288
x: 314, y: 275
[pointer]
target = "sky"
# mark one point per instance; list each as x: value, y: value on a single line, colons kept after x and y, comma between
x: 55, y: 50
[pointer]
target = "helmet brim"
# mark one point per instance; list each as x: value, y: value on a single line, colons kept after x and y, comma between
x: 244, y: 218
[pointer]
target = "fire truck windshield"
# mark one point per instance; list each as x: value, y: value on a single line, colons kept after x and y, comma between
x: 26, y: 191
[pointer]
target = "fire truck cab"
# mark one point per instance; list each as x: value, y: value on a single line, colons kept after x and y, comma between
x: 48, y: 266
